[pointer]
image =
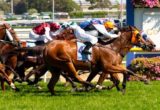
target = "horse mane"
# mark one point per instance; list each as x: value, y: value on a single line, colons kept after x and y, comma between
x: 125, y: 28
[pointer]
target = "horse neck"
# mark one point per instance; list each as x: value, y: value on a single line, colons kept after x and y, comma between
x: 121, y: 45
x: 2, y: 34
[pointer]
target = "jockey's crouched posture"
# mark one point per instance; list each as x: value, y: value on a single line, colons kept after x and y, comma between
x: 100, y: 28
x: 43, y: 32
x: 80, y: 34
x: 106, y: 29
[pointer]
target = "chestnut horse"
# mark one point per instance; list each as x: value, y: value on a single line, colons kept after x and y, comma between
x: 32, y: 57
x: 8, y: 59
x: 61, y: 56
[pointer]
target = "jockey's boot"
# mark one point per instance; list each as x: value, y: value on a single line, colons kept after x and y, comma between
x: 86, y: 49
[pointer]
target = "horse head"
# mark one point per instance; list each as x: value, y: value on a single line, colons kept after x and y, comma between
x: 134, y: 37
x: 6, y: 32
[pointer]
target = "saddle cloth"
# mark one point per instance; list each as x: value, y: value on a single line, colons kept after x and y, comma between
x: 80, y: 56
x: 28, y: 43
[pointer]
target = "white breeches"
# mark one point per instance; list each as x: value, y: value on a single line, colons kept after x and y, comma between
x: 82, y: 35
x: 36, y: 37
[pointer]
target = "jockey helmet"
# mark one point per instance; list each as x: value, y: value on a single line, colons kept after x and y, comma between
x: 54, y: 26
x: 109, y: 24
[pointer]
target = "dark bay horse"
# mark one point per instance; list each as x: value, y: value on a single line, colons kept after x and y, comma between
x: 6, y: 46
x: 61, y: 55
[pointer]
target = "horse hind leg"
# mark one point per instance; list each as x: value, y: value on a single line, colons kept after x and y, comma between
x: 115, y: 79
x: 124, y: 82
x: 2, y: 84
x: 69, y: 79
x: 72, y: 70
x: 55, y: 74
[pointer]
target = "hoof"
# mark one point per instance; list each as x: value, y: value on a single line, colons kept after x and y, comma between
x: 98, y: 87
x: 82, y: 89
x: 66, y: 84
x: 30, y: 82
x: 16, y: 89
x: 123, y: 92
x: 53, y: 94
x: 74, y: 90
x: 18, y: 80
x: 38, y: 87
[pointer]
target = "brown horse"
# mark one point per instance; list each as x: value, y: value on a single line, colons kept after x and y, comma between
x: 32, y: 57
x: 6, y: 46
x: 61, y: 55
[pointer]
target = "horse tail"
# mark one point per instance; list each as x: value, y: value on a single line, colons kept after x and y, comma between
x: 134, y: 74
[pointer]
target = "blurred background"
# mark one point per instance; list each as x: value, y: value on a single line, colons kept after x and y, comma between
x: 60, y: 10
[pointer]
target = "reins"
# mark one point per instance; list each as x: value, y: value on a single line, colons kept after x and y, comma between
x: 8, y: 42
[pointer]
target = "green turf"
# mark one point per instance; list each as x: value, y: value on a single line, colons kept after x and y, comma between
x: 137, y: 97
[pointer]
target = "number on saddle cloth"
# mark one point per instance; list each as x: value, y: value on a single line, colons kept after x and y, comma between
x: 80, y: 55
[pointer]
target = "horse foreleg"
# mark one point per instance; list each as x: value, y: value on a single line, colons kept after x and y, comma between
x: 116, y: 81
x: 114, y: 70
x: 101, y: 79
x: 39, y: 72
x: 124, y: 82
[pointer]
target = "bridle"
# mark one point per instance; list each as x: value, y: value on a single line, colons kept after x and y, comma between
x: 124, y: 49
x: 6, y: 39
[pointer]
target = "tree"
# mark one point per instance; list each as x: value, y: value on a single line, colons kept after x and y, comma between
x: 69, y: 6
x: 20, y: 7
x: 4, y: 6
x: 99, y: 3
x: 32, y: 10
x: 92, y: 2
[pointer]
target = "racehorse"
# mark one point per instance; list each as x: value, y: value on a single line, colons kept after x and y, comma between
x: 150, y: 46
x: 32, y: 57
x: 61, y: 55
x: 6, y: 46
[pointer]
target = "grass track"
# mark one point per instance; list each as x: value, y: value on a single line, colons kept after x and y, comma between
x: 138, y: 97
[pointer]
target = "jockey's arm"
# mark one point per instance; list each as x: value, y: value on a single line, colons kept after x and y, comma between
x: 110, y: 35
x: 47, y: 30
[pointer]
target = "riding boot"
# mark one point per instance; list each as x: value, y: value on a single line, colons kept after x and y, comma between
x: 86, y: 49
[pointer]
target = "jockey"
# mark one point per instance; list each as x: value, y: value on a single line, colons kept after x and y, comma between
x: 43, y: 32
x: 104, y: 27
x: 55, y: 29
x: 80, y: 34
